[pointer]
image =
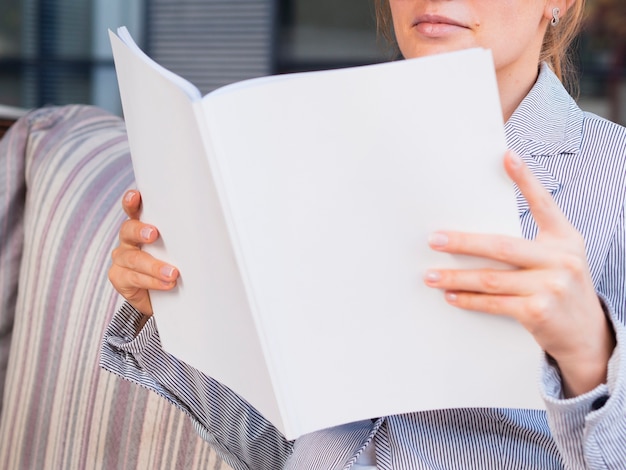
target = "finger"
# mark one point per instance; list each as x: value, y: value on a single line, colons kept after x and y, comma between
x: 133, y: 285
x: 131, y: 203
x: 510, y: 250
x: 135, y: 233
x: 145, y: 264
x: 485, y: 281
x: 510, y: 306
x: 532, y: 312
x: 545, y: 211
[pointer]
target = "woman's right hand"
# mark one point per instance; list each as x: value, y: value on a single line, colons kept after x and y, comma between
x: 135, y: 272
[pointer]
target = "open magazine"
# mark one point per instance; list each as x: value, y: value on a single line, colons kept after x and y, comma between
x: 297, y: 209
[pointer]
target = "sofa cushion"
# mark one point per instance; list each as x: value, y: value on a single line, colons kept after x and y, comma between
x: 60, y: 409
x: 12, y: 197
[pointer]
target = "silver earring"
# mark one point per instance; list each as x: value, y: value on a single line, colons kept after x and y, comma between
x: 555, y: 16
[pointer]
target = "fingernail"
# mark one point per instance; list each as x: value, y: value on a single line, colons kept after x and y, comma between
x: 146, y: 232
x: 129, y: 197
x: 167, y: 271
x: 515, y: 159
x: 432, y: 276
x: 438, y: 239
x: 451, y: 297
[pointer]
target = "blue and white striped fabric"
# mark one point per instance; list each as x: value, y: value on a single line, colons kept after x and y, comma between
x: 581, y: 160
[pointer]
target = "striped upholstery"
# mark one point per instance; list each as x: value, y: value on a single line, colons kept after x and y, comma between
x: 60, y: 410
x: 12, y: 196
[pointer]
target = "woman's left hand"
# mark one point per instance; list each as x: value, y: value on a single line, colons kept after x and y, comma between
x: 549, y: 290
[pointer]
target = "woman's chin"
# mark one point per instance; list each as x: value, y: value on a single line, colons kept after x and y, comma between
x: 423, y: 50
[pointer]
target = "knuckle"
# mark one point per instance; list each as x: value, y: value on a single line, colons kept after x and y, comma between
x: 557, y: 287
x: 538, y: 310
x: 130, y: 233
x: 490, y: 281
x: 493, y: 304
x: 126, y: 230
x: 126, y: 224
x: 574, y: 265
x: 133, y: 258
x: 135, y: 279
x: 503, y: 249
x: 112, y: 274
x: 115, y: 254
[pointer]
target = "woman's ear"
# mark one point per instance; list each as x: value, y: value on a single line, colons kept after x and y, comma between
x: 569, y: 4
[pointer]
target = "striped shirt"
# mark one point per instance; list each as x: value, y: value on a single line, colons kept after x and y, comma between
x: 581, y: 159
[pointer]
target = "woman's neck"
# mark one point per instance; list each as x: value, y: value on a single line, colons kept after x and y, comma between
x: 514, y: 85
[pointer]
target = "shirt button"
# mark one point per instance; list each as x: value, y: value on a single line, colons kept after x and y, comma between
x: 599, y: 402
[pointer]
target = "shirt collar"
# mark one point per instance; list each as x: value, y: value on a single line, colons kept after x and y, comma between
x: 546, y: 123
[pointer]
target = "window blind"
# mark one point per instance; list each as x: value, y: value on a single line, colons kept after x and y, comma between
x: 212, y: 42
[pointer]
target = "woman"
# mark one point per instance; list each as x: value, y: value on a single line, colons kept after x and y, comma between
x: 568, y: 289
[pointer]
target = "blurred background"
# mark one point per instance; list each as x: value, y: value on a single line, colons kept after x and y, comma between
x: 57, y: 51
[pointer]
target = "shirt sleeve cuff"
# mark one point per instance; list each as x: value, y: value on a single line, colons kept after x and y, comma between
x: 552, y: 384
x: 591, y: 423
x: 123, y: 348
x: 236, y: 431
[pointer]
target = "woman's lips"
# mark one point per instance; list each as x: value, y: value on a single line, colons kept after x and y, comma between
x: 435, y: 26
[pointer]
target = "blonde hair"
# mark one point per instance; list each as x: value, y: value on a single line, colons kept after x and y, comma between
x: 556, y: 49
x: 556, y: 42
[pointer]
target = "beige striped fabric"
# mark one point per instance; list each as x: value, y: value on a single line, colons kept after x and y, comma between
x: 60, y: 410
